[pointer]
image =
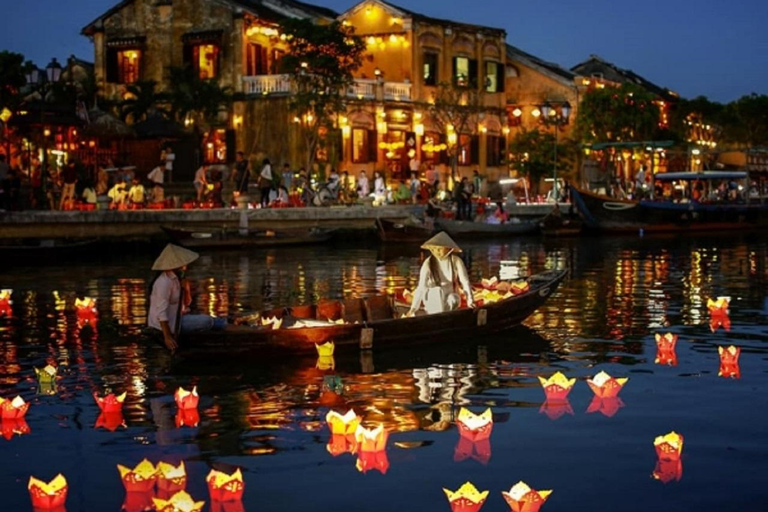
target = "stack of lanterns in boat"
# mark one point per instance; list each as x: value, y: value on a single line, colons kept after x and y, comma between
x: 492, y: 290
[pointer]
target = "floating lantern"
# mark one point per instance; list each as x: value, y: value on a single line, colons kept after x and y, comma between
x: 110, y: 421
x: 668, y: 470
x: 137, y: 501
x: 111, y: 402
x: 556, y: 409
x: 325, y: 363
x: 521, y: 498
x: 345, y: 425
x: 367, y: 461
x: 86, y: 312
x: 6, y: 303
x: 729, y: 362
x: 13, y: 409
x: 466, y: 499
x: 272, y: 321
x: 186, y: 399
x: 720, y: 320
x: 606, y: 406
x: 718, y: 306
x: 14, y: 427
x: 605, y: 386
x: 339, y: 444
x: 326, y: 349
x: 142, y: 478
x: 669, y: 446
x: 475, y: 427
x: 665, y: 349
x: 179, y: 502
x: 227, y: 506
x: 46, y: 375
x: 477, y: 450
x: 224, y: 487
x: 371, y: 440
x: 557, y: 386
x: 171, y: 479
x: 49, y: 495
x: 187, y: 418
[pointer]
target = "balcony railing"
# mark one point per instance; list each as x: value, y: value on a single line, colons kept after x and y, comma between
x: 362, y: 88
x: 397, y: 91
x: 267, y: 84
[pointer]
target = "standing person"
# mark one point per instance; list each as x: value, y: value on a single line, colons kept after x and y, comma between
x: 287, y: 175
x: 415, y: 186
x: 379, y: 186
x: 201, y: 182
x: 442, y: 278
x: 69, y: 180
x: 363, y: 187
x: 460, y: 198
x: 432, y: 179
x: 467, y: 192
x: 167, y: 156
x: 345, y: 187
x: 171, y: 297
x: 477, y: 181
x: 265, y: 182
x: 414, y: 165
x: 157, y: 177
x: 241, y: 175
x: 640, y: 181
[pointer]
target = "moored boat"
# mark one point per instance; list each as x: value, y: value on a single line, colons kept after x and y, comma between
x: 374, y: 323
x: 45, y: 247
x: 228, y: 238
x: 401, y: 231
x: 469, y: 229
x: 610, y: 214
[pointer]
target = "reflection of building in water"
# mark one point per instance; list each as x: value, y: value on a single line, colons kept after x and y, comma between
x: 212, y: 298
x: 129, y: 302
x: 449, y: 383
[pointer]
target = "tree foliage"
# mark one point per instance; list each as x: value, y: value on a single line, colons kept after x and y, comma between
x: 615, y: 114
x: 141, y: 101
x: 745, y: 121
x: 532, y: 153
x: 321, y: 59
x: 195, y: 99
x: 12, y: 78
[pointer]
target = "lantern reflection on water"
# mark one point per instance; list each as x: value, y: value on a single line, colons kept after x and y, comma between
x: 86, y: 312
x: 475, y: 427
x: 179, y: 502
x: 137, y: 501
x: 186, y: 399
x: 719, y: 314
x: 325, y: 363
x: 605, y: 386
x: 225, y: 487
x: 557, y: 386
x: 339, y: 444
x: 111, y: 402
x: 468, y: 449
x: 668, y: 470
x: 367, y: 461
x: 521, y: 498
x: 187, y: 418
x: 466, y: 499
x: 48, y: 496
x: 10, y: 428
x: 729, y: 362
x: 13, y: 409
x: 110, y: 421
x: 344, y: 425
x: 606, y: 406
x: 142, y: 478
x: 556, y: 409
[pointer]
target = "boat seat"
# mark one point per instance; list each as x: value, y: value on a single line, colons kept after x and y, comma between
x: 353, y: 311
x: 378, y: 307
x: 329, y: 310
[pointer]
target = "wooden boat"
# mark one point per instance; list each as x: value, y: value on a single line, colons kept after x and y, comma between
x: 373, y: 323
x: 630, y: 216
x: 231, y: 237
x: 469, y: 229
x: 402, y: 231
x: 44, y: 247
x: 557, y: 225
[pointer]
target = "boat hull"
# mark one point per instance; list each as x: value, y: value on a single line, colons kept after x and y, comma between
x: 616, y: 215
x: 469, y: 229
x: 228, y: 238
x: 394, y: 231
x: 462, y: 324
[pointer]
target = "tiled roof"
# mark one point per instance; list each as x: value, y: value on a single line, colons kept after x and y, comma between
x: 595, y: 65
x: 441, y: 21
x: 515, y: 53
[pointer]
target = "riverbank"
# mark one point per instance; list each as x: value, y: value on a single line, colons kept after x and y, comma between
x: 112, y: 224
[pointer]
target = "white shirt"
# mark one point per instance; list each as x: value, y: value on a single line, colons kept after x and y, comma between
x: 169, y: 158
x: 378, y: 186
x: 445, y: 268
x: 164, y: 301
x: 362, y: 185
x: 156, y: 176
x: 266, y: 172
x: 200, y: 176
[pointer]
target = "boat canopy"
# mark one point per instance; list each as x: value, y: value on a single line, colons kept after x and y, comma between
x: 706, y: 175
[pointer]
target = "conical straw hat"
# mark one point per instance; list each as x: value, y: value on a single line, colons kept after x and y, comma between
x: 174, y: 257
x: 441, y: 240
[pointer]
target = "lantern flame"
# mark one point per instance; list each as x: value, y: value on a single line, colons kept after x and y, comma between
x: 605, y: 386
x: 179, y: 502
x: 521, y: 498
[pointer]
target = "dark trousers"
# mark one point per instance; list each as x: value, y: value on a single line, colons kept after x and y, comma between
x: 265, y: 196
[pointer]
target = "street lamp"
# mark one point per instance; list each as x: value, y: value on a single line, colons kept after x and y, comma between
x: 551, y: 115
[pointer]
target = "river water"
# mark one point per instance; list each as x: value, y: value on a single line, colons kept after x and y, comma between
x: 267, y: 417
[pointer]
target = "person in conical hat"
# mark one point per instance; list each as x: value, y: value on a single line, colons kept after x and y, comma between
x: 442, y: 278
x: 170, y: 299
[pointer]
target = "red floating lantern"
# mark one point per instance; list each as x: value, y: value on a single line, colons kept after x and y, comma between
x: 48, y: 496
x: 729, y: 362
x: 556, y: 409
x: 110, y: 421
x: 557, y: 386
x: 366, y: 461
x: 466, y: 499
x: 187, y: 418
x: 605, y: 386
x: 475, y: 427
x: 142, y: 478
x: 718, y: 313
x: 606, y: 406
x: 371, y: 440
x: 476, y: 450
x: 345, y: 425
x: 110, y: 403
x: 339, y: 444
x: 138, y: 501
x: 6, y: 303
x: 13, y: 409
x: 14, y: 427
x: 668, y: 470
x: 224, y: 487
x: 179, y: 502
x: 171, y: 479
x: 186, y: 399
x: 521, y: 498
x: 86, y: 312
x: 665, y: 349
x: 669, y: 446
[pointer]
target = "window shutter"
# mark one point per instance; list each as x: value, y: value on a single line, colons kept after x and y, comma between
x: 455, y: 79
x: 474, y: 150
x: 372, y: 146
x: 188, y: 55
x: 112, y: 68
x: 501, y: 77
x: 473, y: 73
x: 217, y: 63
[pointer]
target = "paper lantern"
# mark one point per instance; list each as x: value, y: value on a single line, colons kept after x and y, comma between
x: 142, y: 478
x: 556, y: 409
x: 224, y: 487
x: 668, y: 470
x: 367, y: 461
x: 557, y: 386
x: 665, y: 349
x: 111, y: 402
x: 605, y: 386
x: 186, y: 399
x: 179, y: 502
x: 476, y: 450
x: 138, y: 501
x: 489, y: 284
x: 227, y: 506
x: 466, y: 499
x: 187, y: 418
x: 519, y: 287
x: 606, y: 406
x: 669, y: 446
x: 13, y: 409
x: 718, y: 313
x: 86, y: 312
x: 345, y: 425
x: 46, y: 375
x: 333, y: 383
x: 719, y: 305
x: 49, y: 495
x: 339, y: 444
x: 274, y: 322
x: 6, y: 303
x: 326, y: 349
x: 171, y: 479
x: 475, y: 427
x: 371, y: 440
x: 14, y: 427
x: 110, y: 421
x: 521, y: 498
x: 729, y: 361
x: 325, y: 363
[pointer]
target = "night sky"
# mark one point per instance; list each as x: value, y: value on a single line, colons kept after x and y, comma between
x: 715, y: 48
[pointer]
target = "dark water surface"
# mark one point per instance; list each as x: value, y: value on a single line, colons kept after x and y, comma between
x: 268, y: 416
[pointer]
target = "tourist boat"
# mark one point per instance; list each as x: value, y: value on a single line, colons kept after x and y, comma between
x: 557, y: 225
x: 402, y: 231
x: 372, y: 323
x: 232, y: 237
x: 469, y: 229
x: 663, y: 215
